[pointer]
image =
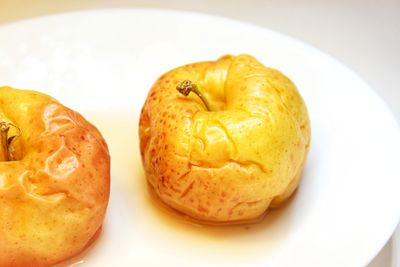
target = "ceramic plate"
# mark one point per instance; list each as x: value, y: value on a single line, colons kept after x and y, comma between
x: 102, y: 63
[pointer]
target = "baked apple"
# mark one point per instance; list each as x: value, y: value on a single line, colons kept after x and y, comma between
x: 222, y: 141
x: 54, y: 180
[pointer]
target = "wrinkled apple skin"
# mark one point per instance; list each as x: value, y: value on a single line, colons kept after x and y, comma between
x: 53, y: 197
x: 229, y: 164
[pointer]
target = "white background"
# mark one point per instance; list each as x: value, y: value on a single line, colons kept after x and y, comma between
x: 364, y: 35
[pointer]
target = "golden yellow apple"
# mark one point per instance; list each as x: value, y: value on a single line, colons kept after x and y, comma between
x: 231, y: 142
x: 54, y: 180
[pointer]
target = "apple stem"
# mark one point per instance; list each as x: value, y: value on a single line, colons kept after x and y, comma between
x: 186, y: 86
x: 6, y: 141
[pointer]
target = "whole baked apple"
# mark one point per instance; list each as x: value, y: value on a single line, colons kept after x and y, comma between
x: 222, y: 141
x: 54, y: 180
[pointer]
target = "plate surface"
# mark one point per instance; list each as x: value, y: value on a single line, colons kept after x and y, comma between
x: 102, y: 63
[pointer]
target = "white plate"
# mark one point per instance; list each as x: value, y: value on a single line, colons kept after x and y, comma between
x: 103, y: 63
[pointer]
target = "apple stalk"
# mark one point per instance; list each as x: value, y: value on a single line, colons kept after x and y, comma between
x: 6, y: 140
x: 186, y: 86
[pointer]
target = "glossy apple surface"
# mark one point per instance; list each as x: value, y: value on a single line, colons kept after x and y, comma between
x: 233, y: 161
x: 54, y: 188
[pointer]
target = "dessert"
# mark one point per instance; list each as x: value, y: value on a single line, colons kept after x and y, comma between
x: 222, y: 141
x: 54, y: 180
